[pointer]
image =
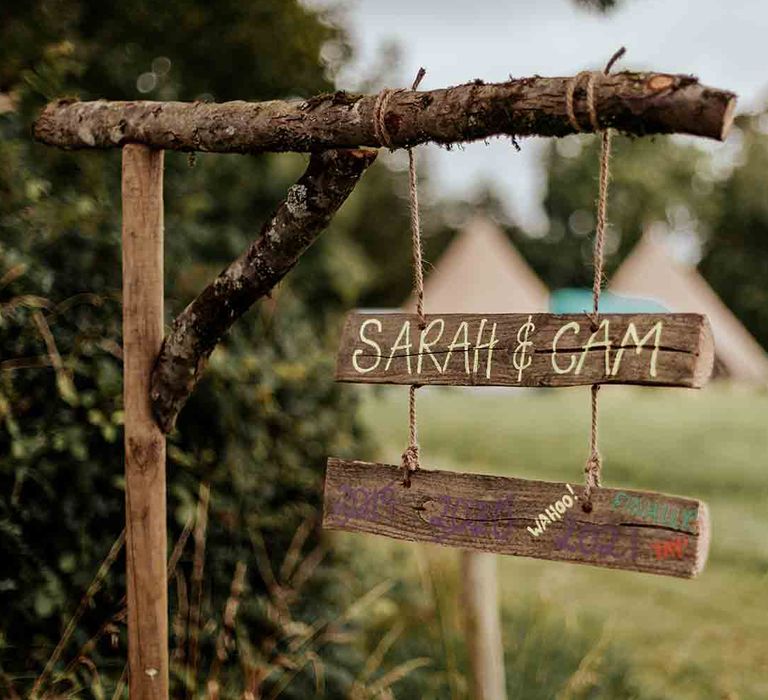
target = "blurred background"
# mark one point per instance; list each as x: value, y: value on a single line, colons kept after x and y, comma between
x: 339, y: 615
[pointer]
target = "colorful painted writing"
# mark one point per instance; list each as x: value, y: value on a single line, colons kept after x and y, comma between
x: 456, y: 517
x: 367, y: 504
x: 602, y: 542
x: 656, y: 512
x: 475, y: 517
x: 670, y: 548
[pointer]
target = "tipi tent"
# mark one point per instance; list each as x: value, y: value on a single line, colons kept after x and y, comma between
x: 651, y: 272
x: 481, y: 272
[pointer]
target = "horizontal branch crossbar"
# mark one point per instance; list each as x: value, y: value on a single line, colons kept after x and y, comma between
x: 633, y: 103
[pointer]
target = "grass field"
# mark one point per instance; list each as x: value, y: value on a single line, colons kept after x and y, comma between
x: 668, y: 638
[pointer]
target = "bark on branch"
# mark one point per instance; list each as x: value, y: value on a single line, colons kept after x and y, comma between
x: 298, y: 221
x: 634, y: 103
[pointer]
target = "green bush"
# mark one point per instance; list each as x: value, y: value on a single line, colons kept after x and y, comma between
x: 267, y: 414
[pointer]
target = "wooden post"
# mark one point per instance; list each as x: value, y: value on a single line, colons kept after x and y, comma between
x: 146, y: 544
x: 480, y: 594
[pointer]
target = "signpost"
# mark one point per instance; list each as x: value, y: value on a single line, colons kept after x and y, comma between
x: 509, y: 350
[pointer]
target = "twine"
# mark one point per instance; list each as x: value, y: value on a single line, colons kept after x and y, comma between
x: 410, y: 458
x: 380, y: 107
x: 379, y: 113
x: 594, y: 465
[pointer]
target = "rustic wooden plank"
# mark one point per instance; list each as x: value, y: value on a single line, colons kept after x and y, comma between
x: 634, y: 530
x: 526, y: 349
x: 146, y: 544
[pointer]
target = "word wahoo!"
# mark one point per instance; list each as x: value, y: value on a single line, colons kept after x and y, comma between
x: 554, y: 512
x: 526, y: 349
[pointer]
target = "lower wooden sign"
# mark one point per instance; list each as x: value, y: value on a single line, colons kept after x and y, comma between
x: 634, y: 530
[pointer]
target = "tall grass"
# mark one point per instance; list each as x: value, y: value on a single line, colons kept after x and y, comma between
x: 570, y: 632
x: 261, y: 665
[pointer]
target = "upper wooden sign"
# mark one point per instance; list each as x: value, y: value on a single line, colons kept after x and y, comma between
x: 526, y: 349
x: 634, y: 530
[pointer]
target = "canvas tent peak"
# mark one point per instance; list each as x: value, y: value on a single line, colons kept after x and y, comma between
x: 650, y: 271
x: 482, y: 272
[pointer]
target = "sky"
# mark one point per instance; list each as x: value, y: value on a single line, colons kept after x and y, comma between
x: 457, y: 41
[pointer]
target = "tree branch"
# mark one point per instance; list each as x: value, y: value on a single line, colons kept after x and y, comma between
x: 298, y: 221
x: 634, y: 103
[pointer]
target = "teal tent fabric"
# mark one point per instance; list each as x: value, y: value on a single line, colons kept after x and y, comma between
x: 576, y: 301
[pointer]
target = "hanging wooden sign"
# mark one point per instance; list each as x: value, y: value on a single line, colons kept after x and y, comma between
x: 526, y: 349
x: 634, y: 530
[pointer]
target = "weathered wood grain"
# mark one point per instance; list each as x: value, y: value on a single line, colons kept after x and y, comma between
x: 146, y: 532
x: 634, y: 530
x: 534, y: 350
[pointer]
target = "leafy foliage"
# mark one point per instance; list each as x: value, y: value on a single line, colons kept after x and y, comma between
x: 735, y: 259
x: 263, y: 421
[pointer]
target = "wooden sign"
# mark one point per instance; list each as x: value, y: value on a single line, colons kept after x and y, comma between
x: 526, y: 349
x: 634, y: 530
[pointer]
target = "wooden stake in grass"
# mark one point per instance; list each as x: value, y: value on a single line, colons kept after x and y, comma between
x: 144, y: 442
x: 482, y: 623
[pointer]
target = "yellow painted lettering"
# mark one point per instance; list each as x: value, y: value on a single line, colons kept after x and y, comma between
x: 573, y: 327
x: 490, y: 345
x: 632, y: 336
x: 405, y: 337
x: 424, y: 346
x: 376, y: 347
x: 593, y: 343
x: 463, y: 329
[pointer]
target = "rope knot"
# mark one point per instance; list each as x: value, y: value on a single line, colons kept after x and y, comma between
x: 570, y: 92
x: 592, y: 471
x: 380, y: 107
x: 410, y: 463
